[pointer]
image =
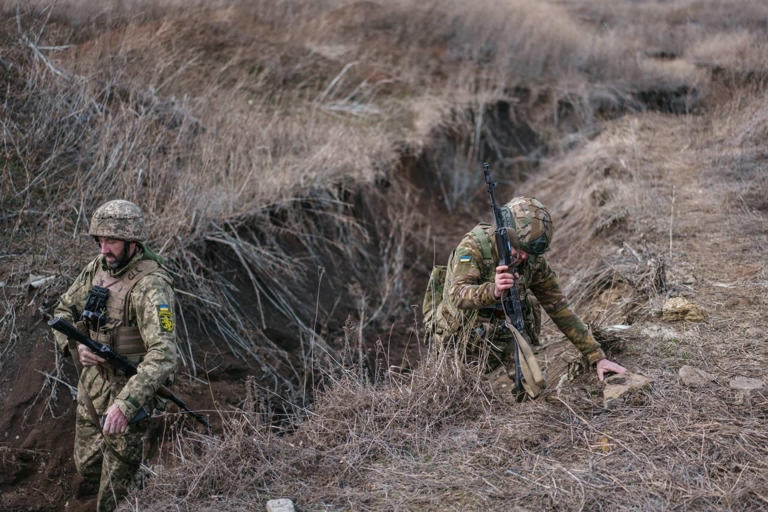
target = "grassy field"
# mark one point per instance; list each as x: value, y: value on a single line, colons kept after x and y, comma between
x: 303, y: 164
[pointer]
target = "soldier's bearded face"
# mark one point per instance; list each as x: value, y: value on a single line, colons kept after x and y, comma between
x: 115, y: 252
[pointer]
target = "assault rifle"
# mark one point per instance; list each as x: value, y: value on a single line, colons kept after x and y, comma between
x: 120, y: 363
x: 510, y: 300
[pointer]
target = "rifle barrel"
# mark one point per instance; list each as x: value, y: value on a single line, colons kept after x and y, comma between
x: 510, y: 300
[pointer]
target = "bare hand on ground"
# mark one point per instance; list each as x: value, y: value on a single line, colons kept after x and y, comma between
x: 607, y: 366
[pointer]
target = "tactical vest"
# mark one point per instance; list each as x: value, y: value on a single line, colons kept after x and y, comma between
x: 123, y: 339
x: 452, y: 316
x: 432, y: 303
x: 481, y: 236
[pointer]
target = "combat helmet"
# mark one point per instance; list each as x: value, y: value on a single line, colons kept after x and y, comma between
x: 529, y: 224
x: 119, y: 219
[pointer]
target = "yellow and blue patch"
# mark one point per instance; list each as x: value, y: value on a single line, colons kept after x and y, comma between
x: 165, y: 317
x: 465, y: 258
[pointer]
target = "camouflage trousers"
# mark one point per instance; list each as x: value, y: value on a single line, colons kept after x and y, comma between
x: 111, y: 462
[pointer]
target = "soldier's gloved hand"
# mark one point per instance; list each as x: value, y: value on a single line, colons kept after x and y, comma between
x: 503, y: 280
x: 115, y: 421
x: 88, y: 357
x: 606, y: 366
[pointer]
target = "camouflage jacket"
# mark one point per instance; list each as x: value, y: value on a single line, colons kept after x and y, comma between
x: 468, y: 299
x: 150, y: 309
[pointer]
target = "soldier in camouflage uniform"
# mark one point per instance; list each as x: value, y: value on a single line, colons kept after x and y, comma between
x: 470, y: 316
x: 135, y: 317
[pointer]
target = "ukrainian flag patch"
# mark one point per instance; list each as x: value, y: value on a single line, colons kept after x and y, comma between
x: 466, y: 258
x: 166, y: 318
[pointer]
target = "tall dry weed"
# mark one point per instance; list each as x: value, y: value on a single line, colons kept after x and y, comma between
x: 354, y: 427
x: 213, y: 171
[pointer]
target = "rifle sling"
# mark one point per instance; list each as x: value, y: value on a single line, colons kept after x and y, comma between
x: 533, y: 378
x: 86, y: 399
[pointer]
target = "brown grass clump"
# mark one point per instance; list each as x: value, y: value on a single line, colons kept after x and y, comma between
x: 354, y: 428
x: 436, y: 440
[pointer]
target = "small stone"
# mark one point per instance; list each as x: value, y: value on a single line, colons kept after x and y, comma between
x: 622, y: 386
x: 694, y: 377
x: 678, y: 308
x: 744, y: 386
x: 754, y: 333
x: 280, y: 505
x: 745, y: 383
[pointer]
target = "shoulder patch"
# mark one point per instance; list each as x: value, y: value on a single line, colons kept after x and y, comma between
x: 165, y: 317
x: 465, y: 258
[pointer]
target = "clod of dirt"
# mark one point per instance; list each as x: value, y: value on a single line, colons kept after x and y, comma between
x: 694, y: 377
x: 678, y: 308
x: 745, y: 388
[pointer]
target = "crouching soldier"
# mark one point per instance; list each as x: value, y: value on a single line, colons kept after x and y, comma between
x: 470, y: 314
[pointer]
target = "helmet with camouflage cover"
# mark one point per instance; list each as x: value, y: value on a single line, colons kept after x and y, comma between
x: 119, y: 219
x: 529, y: 224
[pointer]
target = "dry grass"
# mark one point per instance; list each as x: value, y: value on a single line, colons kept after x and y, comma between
x: 285, y: 174
x: 130, y: 111
x: 8, y: 331
x: 436, y: 440
x: 217, y: 170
